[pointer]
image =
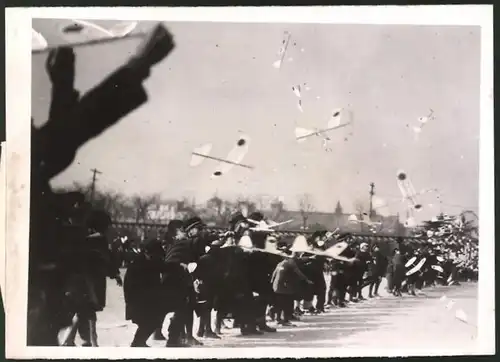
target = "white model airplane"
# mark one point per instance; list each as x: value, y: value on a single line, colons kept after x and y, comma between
x: 300, y: 245
x: 266, y: 226
x: 80, y: 33
x: 416, y: 268
x: 301, y: 134
x: 408, y: 191
x: 234, y: 157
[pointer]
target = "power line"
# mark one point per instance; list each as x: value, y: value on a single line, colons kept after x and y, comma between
x: 372, y: 192
x: 92, y: 186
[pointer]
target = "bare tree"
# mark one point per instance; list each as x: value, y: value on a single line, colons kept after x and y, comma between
x: 186, y: 207
x: 246, y: 206
x: 141, y: 205
x: 222, y: 209
x: 260, y: 202
x: 114, y: 203
x: 306, y: 206
x: 277, y: 209
x: 75, y: 186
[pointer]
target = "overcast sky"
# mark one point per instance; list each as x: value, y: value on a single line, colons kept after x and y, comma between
x: 220, y: 81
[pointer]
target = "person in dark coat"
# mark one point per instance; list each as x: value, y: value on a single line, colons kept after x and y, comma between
x: 238, y: 297
x: 398, y: 271
x: 316, y: 266
x: 261, y: 268
x: 338, y: 284
x: 144, y: 296
x: 363, y: 265
x: 88, y: 274
x: 379, y: 269
x: 179, y: 283
x: 175, y: 232
x: 390, y: 265
x: 342, y: 274
x: 232, y: 289
x: 206, y: 281
x: 285, y: 282
x: 72, y: 122
x: 428, y: 274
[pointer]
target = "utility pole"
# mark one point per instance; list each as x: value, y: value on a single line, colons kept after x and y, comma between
x: 92, y: 186
x: 372, y: 192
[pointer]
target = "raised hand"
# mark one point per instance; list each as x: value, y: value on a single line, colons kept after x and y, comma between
x: 154, y: 49
x: 60, y: 67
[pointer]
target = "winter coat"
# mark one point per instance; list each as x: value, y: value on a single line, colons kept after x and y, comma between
x: 286, y: 277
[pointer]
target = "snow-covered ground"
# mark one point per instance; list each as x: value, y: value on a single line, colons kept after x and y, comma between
x: 422, y: 322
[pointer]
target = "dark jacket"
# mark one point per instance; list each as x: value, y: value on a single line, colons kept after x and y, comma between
x: 398, y: 268
x: 188, y: 250
x: 286, y: 277
x: 363, y: 263
x: 379, y: 264
x: 143, y: 292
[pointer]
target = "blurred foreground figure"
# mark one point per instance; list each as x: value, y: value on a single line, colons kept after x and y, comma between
x: 87, y: 267
x: 73, y: 121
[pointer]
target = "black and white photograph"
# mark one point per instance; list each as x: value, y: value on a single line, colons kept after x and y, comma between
x: 295, y: 188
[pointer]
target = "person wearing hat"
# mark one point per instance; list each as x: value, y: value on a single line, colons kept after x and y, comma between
x: 175, y: 232
x: 191, y: 247
x: 379, y: 268
x: 179, y: 282
x: 338, y: 284
x: 396, y: 248
x: 145, y: 297
x: 284, y: 281
x: 239, y: 225
x: 350, y: 268
x: 314, y: 269
x: 398, y: 271
x: 247, y: 308
x: 205, y: 276
x: 261, y: 269
x: 341, y: 271
x: 361, y: 268
x: 91, y: 263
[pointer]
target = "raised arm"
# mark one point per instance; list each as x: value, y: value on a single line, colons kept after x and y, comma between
x: 60, y: 68
x: 101, y: 107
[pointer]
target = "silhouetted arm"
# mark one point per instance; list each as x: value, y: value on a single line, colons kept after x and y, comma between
x: 60, y: 67
x: 103, y: 106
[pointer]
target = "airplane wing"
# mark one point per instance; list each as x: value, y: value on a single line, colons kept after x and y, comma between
x: 198, y: 154
x: 38, y: 42
x: 258, y: 228
x: 335, y: 119
x: 275, y: 224
x: 235, y: 156
x: 49, y: 34
x: 302, y: 133
x: 123, y: 28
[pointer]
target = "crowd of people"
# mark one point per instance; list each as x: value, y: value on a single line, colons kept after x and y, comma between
x: 247, y: 275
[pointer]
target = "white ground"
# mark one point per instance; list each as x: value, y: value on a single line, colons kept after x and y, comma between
x: 388, y: 322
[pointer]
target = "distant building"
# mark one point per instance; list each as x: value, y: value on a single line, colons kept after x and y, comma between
x: 218, y: 213
x: 331, y: 221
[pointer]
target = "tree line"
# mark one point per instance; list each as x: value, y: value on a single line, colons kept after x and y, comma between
x: 217, y: 211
